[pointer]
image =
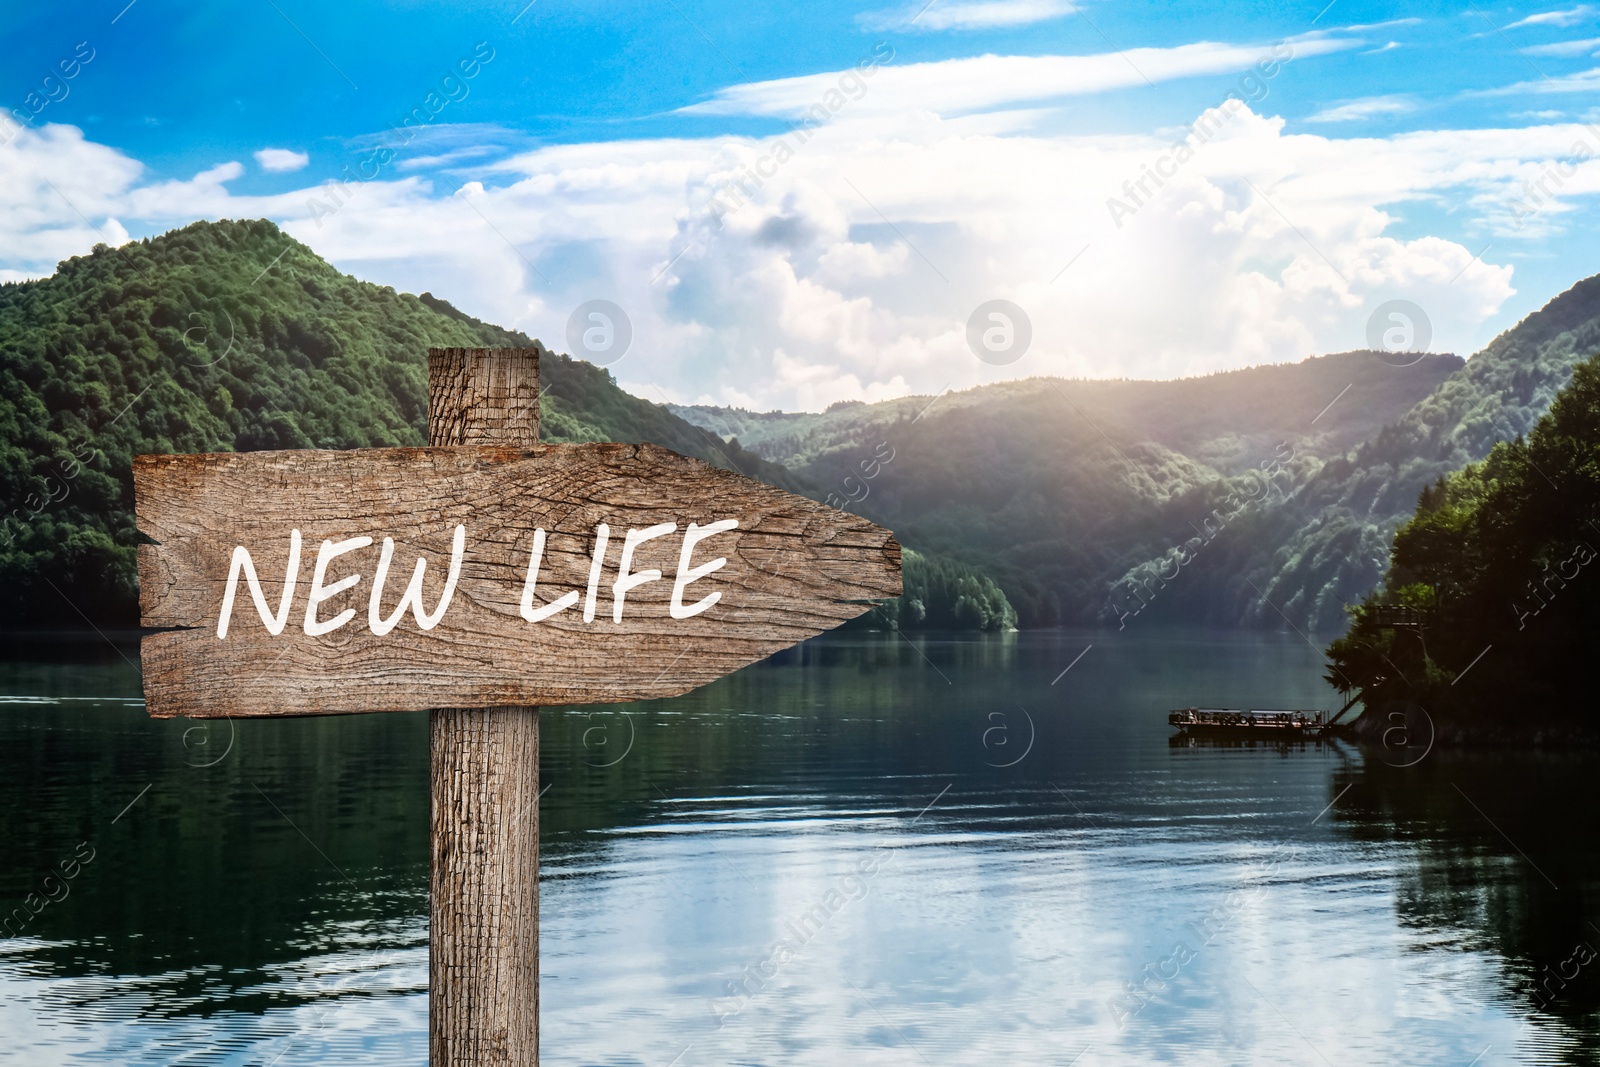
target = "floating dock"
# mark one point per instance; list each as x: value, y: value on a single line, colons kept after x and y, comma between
x: 1268, y: 725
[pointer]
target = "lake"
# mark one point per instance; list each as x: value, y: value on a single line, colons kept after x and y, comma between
x: 872, y: 849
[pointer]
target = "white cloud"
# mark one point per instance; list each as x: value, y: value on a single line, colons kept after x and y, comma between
x: 808, y: 295
x: 57, y: 185
x: 1587, y: 81
x: 1589, y: 45
x: 200, y: 196
x: 970, y: 15
x: 446, y: 159
x: 964, y: 86
x: 852, y: 268
x: 1366, y: 108
x: 1390, y: 47
x: 1383, y: 25
x: 281, y: 160
x: 1568, y: 17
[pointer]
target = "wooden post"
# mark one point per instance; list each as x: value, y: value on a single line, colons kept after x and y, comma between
x: 483, y: 932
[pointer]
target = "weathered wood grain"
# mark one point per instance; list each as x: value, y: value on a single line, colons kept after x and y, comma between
x: 483, y: 396
x: 483, y: 934
x: 483, y: 928
x: 794, y: 568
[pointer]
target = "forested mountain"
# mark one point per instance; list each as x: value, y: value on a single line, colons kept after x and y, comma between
x: 1496, y: 567
x: 1110, y: 500
x: 1326, y: 544
x: 1057, y: 488
x: 218, y: 337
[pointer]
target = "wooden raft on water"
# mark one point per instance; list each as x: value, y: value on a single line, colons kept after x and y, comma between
x: 1226, y: 722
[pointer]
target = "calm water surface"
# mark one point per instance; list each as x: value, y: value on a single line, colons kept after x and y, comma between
x: 865, y: 851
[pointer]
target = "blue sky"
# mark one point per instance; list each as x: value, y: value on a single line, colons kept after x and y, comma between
x: 976, y: 150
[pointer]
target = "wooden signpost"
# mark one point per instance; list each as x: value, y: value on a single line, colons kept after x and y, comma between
x: 480, y: 578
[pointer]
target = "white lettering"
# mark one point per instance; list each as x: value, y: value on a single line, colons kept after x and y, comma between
x: 413, y: 593
x: 559, y: 604
x: 602, y: 534
x: 686, y: 574
x: 325, y: 555
x: 626, y: 581
x: 243, y: 562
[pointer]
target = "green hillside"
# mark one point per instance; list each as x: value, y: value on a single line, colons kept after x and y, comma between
x: 941, y: 595
x: 218, y: 337
x: 1497, y: 563
x: 1057, y: 488
x: 1326, y: 545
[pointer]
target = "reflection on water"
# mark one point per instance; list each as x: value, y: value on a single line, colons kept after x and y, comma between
x: 864, y: 850
x: 1509, y: 865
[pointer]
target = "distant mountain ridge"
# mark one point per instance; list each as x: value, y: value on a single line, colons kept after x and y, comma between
x: 1217, y: 419
x: 1059, y: 488
x: 1084, y: 499
x: 1326, y: 544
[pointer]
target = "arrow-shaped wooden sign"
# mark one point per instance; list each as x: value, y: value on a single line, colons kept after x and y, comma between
x: 409, y: 578
x: 480, y: 579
